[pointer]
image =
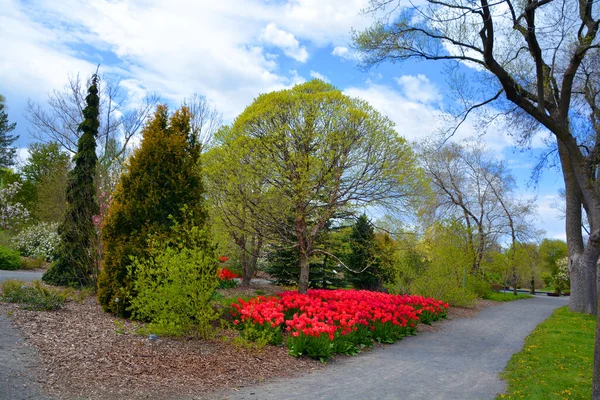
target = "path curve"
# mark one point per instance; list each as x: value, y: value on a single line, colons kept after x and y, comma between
x: 462, y: 360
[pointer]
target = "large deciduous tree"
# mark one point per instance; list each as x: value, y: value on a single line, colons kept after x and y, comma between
x: 471, y: 185
x: 538, y: 63
x: 75, y: 258
x: 318, y: 152
x: 162, y: 183
x: 7, y: 153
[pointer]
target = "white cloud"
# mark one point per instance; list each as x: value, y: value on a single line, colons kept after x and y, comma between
x: 316, y: 75
x: 344, y: 53
x: 285, y: 41
x: 419, y: 88
x: 417, y: 121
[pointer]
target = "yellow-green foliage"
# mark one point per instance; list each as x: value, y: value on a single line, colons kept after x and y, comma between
x: 161, y: 177
x: 176, y: 283
x: 438, y: 266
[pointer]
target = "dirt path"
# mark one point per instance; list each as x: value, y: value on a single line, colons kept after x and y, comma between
x: 462, y: 360
x: 17, y: 363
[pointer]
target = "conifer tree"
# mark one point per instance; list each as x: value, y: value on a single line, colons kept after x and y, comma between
x: 75, y: 257
x: 7, y: 153
x: 362, y: 259
x: 161, y: 178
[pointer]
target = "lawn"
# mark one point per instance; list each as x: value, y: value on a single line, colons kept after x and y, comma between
x: 556, y: 361
x: 495, y: 296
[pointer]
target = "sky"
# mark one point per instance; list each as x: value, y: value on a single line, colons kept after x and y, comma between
x: 230, y: 51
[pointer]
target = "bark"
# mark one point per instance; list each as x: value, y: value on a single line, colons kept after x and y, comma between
x: 249, y: 257
x: 304, y: 271
x: 582, y: 269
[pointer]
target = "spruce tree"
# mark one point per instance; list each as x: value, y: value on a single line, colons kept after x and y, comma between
x: 161, y: 178
x: 362, y: 259
x: 7, y: 153
x: 75, y: 256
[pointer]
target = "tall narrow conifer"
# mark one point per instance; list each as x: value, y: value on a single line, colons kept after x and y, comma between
x: 75, y: 256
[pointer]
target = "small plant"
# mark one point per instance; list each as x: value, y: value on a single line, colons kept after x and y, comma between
x: 33, y: 296
x: 31, y: 263
x: 9, y: 259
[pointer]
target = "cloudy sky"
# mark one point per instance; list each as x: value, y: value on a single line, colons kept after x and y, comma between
x: 230, y: 51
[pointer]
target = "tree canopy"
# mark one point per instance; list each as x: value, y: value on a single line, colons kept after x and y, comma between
x: 318, y: 152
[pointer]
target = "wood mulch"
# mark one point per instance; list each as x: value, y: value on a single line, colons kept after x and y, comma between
x: 88, y: 353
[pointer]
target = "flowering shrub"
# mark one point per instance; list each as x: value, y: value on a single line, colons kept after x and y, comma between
x: 226, y: 278
x: 38, y: 241
x: 561, y: 277
x: 326, y: 322
x: 12, y: 214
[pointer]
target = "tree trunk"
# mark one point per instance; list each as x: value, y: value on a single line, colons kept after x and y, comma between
x: 246, y: 272
x: 582, y: 271
x: 304, y: 271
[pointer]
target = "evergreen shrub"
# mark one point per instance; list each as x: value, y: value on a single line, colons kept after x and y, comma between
x: 9, y: 259
x: 162, y: 176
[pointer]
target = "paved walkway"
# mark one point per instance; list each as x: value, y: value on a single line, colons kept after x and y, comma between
x: 20, y: 275
x: 461, y: 361
x: 17, y: 363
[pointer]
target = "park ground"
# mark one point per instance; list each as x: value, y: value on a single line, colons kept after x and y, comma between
x: 82, y: 352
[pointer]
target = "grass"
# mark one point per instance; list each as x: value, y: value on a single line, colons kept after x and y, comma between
x: 495, y: 296
x: 556, y: 361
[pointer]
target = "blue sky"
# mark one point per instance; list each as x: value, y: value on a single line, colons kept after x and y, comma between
x: 230, y: 51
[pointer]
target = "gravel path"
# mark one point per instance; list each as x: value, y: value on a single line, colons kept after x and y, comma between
x: 20, y: 275
x: 461, y: 360
x: 17, y: 363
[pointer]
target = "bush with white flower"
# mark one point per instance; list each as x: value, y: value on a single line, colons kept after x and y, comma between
x: 37, y: 241
x: 12, y: 214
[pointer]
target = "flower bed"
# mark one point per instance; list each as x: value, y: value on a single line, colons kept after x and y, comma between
x: 226, y: 278
x: 326, y: 322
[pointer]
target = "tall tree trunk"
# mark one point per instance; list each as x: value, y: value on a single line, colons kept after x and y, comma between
x: 582, y: 270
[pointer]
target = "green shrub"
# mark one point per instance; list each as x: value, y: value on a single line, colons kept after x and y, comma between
x: 9, y: 259
x: 478, y: 287
x: 161, y: 177
x: 33, y: 296
x: 175, y: 286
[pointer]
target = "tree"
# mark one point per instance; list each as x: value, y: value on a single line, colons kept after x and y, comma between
x: 75, y: 258
x: 362, y: 260
x: 161, y: 184
x: 233, y: 195
x: 7, y: 153
x: 320, y: 152
x: 551, y: 86
x: 471, y: 185
x: 538, y: 60
x: 47, y: 169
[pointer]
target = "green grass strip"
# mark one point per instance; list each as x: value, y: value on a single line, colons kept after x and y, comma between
x: 556, y: 361
x: 506, y: 296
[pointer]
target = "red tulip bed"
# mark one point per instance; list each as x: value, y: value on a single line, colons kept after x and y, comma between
x: 326, y: 322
